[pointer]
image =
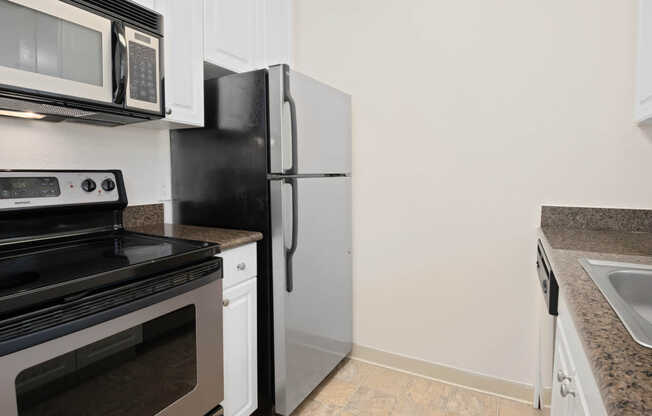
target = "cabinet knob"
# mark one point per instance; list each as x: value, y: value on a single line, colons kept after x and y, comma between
x: 168, y: 111
x: 565, y: 389
x: 561, y: 377
x: 225, y: 302
x: 241, y: 266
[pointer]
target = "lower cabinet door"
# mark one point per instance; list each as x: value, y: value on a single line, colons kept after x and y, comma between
x: 240, y: 350
x: 567, y: 394
x: 559, y: 405
x: 578, y: 407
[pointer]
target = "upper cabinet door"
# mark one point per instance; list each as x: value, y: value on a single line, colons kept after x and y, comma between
x: 234, y: 34
x: 184, y: 62
x: 278, y: 32
x: 644, y: 81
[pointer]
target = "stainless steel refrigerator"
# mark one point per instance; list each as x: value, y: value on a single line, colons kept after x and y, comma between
x: 275, y: 157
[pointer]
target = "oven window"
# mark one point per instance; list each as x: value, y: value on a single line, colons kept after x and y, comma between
x: 136, y: 372
x: 38, y: 42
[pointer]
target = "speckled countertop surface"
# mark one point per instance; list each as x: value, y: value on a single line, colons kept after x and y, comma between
x: 621, y: 367
x: 225, y: 238
x: 148, y: 219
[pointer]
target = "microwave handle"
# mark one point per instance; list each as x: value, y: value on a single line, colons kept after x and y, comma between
x: 119, y: 46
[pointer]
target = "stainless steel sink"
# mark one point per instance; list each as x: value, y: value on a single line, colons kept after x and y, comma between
x: 628, y: 289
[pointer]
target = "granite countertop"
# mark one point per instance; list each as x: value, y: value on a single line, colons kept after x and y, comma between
x: 621, y: 367
x: 148, y: 219
x: 225, y: 238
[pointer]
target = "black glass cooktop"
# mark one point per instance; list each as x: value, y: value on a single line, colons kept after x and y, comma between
x: 55, y: 270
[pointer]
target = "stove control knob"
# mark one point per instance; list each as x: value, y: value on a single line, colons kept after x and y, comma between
x: 88, y: 185
x: 108, y: 185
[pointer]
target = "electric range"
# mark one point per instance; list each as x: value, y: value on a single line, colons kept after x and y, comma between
x: 95, y: 318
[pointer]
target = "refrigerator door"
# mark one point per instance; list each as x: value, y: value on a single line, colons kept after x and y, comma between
x: 312, y: 313
x: 310, y: 125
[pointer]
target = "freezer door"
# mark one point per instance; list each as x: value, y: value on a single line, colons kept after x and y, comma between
x: 313, y: 314
x: 310, y: 125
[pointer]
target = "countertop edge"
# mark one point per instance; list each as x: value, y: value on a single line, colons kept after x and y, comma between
x: 225, y: 238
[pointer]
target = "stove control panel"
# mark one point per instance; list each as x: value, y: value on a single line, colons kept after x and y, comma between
x: 41, y: 189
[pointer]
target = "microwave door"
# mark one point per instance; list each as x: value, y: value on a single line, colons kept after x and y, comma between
x: 56, y: 48
x: 143, y: 90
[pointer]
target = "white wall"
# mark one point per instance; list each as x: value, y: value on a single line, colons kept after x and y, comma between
x: 468, y: 116
x: 142, y: 154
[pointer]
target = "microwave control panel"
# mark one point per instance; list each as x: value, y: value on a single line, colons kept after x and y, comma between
x: 143, y: 79
x: 144, y: 67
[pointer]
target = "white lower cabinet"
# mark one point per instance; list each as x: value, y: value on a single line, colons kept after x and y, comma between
x: 240, y: 335
x: 567, y: 395
x: 574, y: 389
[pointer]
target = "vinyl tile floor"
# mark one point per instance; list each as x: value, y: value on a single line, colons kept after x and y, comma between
x: 357, y: 388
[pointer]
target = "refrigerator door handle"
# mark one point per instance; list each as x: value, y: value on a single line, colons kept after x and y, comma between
x: 287, y: 97
x: 289, y: 251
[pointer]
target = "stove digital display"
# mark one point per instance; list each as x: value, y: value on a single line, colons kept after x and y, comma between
x: 17, y: 188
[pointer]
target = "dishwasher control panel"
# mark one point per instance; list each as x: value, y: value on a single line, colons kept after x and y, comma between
x: 547, y: 280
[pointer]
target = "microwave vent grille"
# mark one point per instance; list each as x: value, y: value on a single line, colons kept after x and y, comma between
x: 40, y: 108
x: 127, y: 11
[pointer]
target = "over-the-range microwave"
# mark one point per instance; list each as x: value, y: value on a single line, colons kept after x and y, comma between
x: 97, y: 61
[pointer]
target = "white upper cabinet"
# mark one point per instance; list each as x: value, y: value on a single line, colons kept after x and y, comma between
x: 184, y: 62
x: 238, y: 35
x: 243, y: 35
x: 234, y: 34
x: 278, y: 31
x: 644, y: 70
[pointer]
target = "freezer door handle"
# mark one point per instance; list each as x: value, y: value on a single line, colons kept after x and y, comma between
x: 289, y: 251
x: 287, y: 97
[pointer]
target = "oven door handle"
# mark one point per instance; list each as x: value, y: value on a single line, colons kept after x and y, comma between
x: 120, y: 73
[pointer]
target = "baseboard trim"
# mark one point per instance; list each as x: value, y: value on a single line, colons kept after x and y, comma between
x: 485, y: 384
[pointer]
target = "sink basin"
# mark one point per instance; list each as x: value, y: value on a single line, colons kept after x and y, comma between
x: 628, y: 289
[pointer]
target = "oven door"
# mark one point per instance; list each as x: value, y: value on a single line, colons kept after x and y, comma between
x: 53, y: 47
x: 164, y: 359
